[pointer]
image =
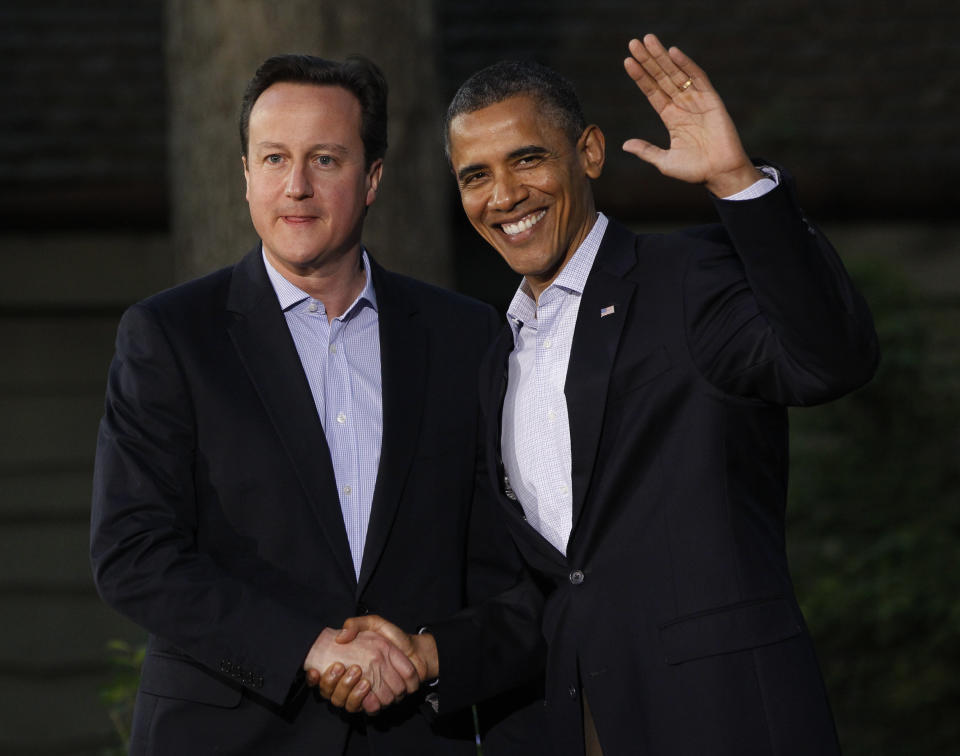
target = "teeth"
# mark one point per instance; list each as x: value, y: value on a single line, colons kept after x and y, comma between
x: 529, y: 221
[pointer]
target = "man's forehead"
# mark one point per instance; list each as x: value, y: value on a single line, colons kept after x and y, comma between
x: 298, y: 93
x: 504, y: 126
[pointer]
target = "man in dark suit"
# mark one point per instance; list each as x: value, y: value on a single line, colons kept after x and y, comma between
x: 635, y: 412
x: 291, y: 441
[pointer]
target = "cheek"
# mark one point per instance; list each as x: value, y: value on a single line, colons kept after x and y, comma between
x: 473, y: 208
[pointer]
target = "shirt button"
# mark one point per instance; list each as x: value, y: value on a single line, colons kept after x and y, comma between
x: 347, y: 490
x: 547, y: 344
x: 312, y: 307
x: 333, y: 349
x: 563, y: 488
x: 552, y: 415
x: 341, y: 418
x: 576, y: 577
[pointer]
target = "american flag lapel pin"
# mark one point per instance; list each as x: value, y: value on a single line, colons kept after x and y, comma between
x: 608, y: 310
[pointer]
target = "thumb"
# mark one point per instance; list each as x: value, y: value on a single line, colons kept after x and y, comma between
x: 649, y: 153
x: 351, y: 629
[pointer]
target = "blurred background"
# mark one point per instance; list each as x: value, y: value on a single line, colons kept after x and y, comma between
x: 120, y: 175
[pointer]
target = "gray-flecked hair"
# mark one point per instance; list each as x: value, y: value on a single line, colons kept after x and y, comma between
x: 509, y: 78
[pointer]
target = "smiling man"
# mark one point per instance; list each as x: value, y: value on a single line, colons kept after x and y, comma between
x: 635, y: 414
x: 291, y: 441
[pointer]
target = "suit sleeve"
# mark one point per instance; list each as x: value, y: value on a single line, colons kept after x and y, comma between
x: 496, y: 643
x: 779, y: 319
x: 144, y: 551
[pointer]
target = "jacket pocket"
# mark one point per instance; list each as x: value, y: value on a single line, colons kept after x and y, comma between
x: 173, y: 677
x: 730, y: 628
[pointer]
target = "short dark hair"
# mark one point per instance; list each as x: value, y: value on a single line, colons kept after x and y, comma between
x: 358, y: 75
x: 510, y: 78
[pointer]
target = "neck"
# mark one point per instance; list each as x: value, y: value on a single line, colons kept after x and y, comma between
x: 337, y: 284
x: 538, y: 283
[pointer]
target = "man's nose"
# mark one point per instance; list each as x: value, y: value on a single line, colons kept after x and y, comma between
x: 507, y: 192
x: 298, y: 184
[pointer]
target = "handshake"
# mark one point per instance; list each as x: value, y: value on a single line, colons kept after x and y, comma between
x: 369, y: 664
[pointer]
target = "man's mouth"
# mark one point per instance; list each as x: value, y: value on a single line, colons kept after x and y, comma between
x: 297, y: 218
x: 526, y: 222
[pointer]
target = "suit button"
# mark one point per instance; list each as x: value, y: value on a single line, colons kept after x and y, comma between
x: 573, y: 692
x: 362, y: 609
x: 576, y: 577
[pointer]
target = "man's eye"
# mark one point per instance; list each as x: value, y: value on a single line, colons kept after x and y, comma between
x: 274, y: 159
x: 325, y: 160
x: 472, y: 178
x: 528, y: 160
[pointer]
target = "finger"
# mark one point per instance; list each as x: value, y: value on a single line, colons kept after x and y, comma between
x: 328, y: 680
x: 351, y: 628
x: 646, y: 83
x: 647, y: 152
x: 392, y: 686
x: 650, y: 54
x: 347, y: 683
x: 696, y: 74
x: 371, y: 704
x: 355, y: 700
x: 405, y: 668
x: 659, y: 63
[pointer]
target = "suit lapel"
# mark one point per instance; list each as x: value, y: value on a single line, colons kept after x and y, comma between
x: 596, y: 338
x: 403, y: 361
x: 262, y: 339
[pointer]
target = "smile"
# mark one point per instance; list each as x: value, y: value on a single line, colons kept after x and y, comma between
x: 526, y: 222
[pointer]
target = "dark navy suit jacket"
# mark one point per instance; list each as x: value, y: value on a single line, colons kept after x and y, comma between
x: 673, y: 607
x: 216, y: 523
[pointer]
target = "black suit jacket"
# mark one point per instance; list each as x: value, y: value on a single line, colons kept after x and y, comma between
x: 216, y: 523
x: 673, y: 607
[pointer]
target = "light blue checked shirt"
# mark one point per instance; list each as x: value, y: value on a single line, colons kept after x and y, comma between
x: 535, y: 433
x: 342, y: 362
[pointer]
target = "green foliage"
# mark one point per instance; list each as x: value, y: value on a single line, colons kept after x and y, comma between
x: 119, y: 693
x: 874, y: 528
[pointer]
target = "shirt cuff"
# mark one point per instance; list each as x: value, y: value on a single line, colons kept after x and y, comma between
x: 760, y: 186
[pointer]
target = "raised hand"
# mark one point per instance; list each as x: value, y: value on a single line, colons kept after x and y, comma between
x: 374, y: 672
x: 705, y: 147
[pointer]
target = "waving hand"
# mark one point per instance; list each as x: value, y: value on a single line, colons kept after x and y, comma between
x: 705, y: 147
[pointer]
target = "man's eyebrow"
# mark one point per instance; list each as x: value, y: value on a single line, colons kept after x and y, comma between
x: 528, y: 149
x: 468, y: 169
x: 319, y: 147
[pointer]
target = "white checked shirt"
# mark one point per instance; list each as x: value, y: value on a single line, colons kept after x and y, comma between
x: 535, y: 440
x: 535, y: 435
x: 341, y: 359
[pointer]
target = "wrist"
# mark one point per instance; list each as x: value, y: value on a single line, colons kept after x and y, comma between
x: 736, y: 180
x: 319, y: 650
x: 425, y: 649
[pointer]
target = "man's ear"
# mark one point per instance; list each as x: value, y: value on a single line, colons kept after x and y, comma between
x: 374, y: 174
x: 592, y: 149
x: 246, y: 178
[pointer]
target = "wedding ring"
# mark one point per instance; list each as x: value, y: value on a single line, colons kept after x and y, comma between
x: 686, y: 85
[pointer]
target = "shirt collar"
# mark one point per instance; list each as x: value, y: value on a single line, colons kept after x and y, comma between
x: 572, y: 278
x: 290, y: 295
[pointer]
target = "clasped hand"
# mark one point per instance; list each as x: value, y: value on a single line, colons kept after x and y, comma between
x: 369, y: 664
